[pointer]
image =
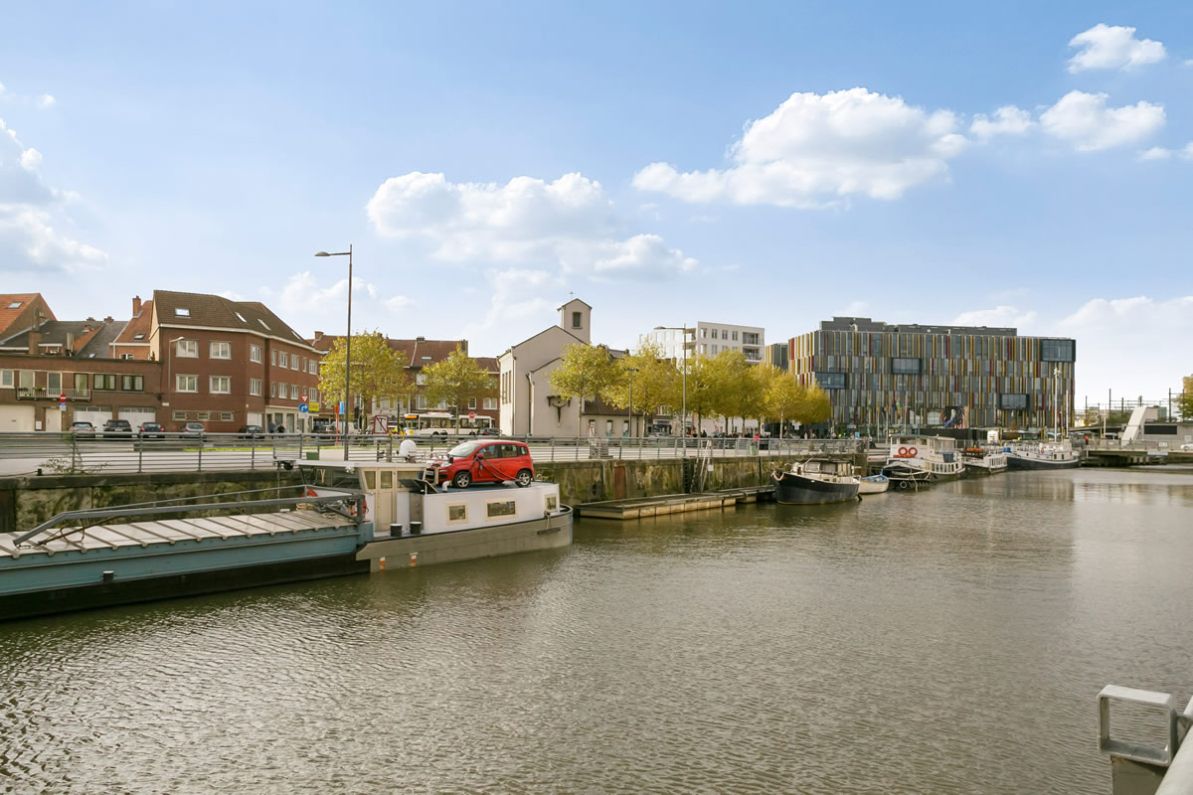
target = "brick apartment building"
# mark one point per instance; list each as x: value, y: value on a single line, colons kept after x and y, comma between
x: 225, y: 363
x: 43, y: 359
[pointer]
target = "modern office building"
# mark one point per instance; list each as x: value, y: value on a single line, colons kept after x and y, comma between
x: 708, y: 339
x: 882, y: 376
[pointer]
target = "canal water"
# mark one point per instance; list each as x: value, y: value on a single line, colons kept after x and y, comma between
x: 948, y: 641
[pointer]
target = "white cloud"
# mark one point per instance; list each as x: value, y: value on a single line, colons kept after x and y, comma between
x: 1084, y: 120
x: 815, y: 150
x: 1000, y: 316
x: 32, y: 215
x: 1112, y: 47
x: 397, y: 302
x: 1127, y: 344
x: 46, y: 101
x: 1008, y: 120
x: 569, y: 223
x: 1155, y: 153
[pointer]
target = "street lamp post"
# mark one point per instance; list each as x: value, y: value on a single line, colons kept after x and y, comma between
x: 347, y: 340
x: 630, y: 408
x: 684, y: 384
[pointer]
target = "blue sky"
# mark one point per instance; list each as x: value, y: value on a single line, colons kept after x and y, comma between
x: 771, y: 164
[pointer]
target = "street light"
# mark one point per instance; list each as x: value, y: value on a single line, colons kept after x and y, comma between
x: 684, y: 381
x: 630, y: 408
x: 347, y: 339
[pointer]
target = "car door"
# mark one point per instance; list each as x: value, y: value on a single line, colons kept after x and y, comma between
x: 486, y: 463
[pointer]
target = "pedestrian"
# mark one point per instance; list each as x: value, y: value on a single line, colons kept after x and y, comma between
x: 280, y: 429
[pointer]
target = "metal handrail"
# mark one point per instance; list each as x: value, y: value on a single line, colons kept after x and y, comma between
x: 103, y: 513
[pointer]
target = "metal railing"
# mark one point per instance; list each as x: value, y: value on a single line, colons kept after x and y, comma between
x: 1137, y: 767
x: 68, y: 453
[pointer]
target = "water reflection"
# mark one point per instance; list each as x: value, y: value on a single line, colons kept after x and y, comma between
x: 947, y: 641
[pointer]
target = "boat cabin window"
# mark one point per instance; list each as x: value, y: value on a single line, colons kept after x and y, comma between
x: 371, y: 480
x: 334, y: 478
x: 552, y: 502
x: 387, y: 479
x: 457, y: 513
x: 503, y: 508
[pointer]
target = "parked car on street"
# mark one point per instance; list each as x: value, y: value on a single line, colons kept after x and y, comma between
x: 194, y: 429
x: 485, y: 461
x: 118, y: 429
x: 251, y: 432
x: 151, y: 430
x: 82, y: 429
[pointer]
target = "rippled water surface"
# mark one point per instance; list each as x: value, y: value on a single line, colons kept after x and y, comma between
x: 948, y: 641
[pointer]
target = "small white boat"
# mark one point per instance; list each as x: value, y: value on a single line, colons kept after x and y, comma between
x: 874, y: 484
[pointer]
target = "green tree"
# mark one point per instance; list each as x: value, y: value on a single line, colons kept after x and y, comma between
x: 655, y: 383
x: 377, y: 372
x: 456, y: 380
x: 1186, y: 401
x: 783, y: 396
x: 816, y: 406
x: 584, y: 372
x: 734, y: 391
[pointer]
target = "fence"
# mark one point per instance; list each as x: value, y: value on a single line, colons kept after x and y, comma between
x: 67, y: 453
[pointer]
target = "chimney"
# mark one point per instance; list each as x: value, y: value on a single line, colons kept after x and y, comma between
x: 34, y: 341
x: 318, y: 336
x: 136, y: 305
x: 420, y: 339
x: 108, y: 319
x: 70, y: 343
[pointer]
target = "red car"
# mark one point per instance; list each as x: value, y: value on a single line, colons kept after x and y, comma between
x: 486, y: 461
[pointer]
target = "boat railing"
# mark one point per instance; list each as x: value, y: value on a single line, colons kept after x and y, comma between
x: 346, y: 502
x: 1138, y: 767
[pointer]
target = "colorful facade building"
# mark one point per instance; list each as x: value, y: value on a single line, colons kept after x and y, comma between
x: 881, y: 376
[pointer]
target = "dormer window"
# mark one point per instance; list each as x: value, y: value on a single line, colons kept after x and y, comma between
x: 138, y: 336
x: 181, y: 311
x: 15, y: 305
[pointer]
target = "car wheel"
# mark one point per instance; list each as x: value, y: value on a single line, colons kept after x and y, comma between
x: 462, y: 480
x: 523, y: 478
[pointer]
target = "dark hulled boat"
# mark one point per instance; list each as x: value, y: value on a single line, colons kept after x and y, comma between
x: 816, y: 481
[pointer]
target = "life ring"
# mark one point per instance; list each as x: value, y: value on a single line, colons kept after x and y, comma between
x: 902, y: 453
x: 912, y: 452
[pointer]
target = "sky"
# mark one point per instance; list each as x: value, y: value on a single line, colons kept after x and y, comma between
x: 772, y: 164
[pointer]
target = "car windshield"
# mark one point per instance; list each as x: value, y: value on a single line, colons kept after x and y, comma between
x: 463, y: 449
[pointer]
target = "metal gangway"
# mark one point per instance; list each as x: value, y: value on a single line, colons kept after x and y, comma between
x: 1139, y: 768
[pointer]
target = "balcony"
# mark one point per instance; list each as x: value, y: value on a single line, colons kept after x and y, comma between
x: 41, y: 393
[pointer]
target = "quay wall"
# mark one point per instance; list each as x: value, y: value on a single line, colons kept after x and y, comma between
x: 28, y: 501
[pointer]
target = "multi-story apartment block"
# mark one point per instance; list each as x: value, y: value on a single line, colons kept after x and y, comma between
x: 708, y: 339
x: 882, y: 376
x: 227, y: 363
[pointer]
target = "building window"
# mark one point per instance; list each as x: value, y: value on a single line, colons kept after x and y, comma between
x: 103, y: 381
x: 255, y: 387
x: 203, y: 415
x: 220, y: 350
x: 6, y: 377
x: 313, y: 367
x: 901, y: 366
x: 283, y: 359
x: 186, y: 383
x: 714, y: 350
x: 724, y: 334
x: 735, y: 336
x: 490, y: 404
x: 188, y: 349
x: 132, y: 383
x: 577, y: 320
x: 273, y: 389
x: 182, y: 311
x: 14, y: 305
x: 314, y: 393
x: 420, y: 401
x: 180, y: 415
x: 255, y: 353
x: 831, y: 380
x: 472, y: 403
x: 264, y: 325
x: 294, y: 391
x: 80, y: 380
x: 1057, y: 350
x: 126, y: 357
x: 1012, y: 402
x: 273, y: 358
x: 220, y: 385
x: 54, y: 383
x: 294, y: 362
x: 227, y: 416
x: 420, y: 380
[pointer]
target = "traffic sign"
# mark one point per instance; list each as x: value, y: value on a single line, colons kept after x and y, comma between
x: 472, y: 415
x: 61, y: 397
x: 303, y: 408
x: 303, y: 399
x: 313, y: 406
